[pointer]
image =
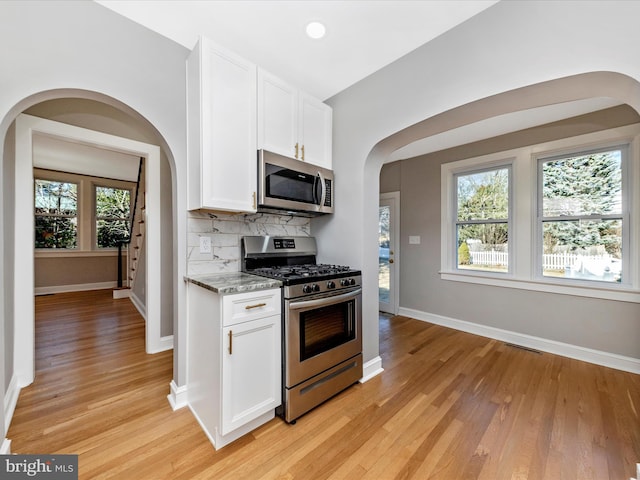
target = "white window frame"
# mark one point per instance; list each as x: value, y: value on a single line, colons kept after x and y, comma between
x: 523, y: 232
x: 455, y: 222
x: 87, y: 245
x: 624, y: 216
x: 76, y: 216
x: 94, y: 226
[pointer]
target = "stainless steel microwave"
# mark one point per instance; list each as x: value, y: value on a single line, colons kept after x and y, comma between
x: 289, y: 185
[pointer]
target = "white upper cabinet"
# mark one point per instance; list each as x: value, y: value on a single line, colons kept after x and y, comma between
x: 221, y: 129
x: 293, y: 123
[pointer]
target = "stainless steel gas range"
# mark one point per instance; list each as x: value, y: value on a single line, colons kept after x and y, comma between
x: 322, y: 319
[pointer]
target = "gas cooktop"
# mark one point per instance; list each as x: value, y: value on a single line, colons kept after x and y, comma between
x: 292, y: 260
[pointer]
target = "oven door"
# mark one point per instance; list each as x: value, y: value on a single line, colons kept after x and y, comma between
x: 320, y: 332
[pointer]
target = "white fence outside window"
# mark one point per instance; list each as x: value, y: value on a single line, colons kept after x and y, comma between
x: 550, y: 261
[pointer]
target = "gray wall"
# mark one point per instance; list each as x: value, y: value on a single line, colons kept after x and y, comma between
x: 604, y: 325
x: 514, y: 56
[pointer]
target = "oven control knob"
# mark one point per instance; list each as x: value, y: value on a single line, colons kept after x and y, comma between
x: 352, y: 281
x: 306, y: 289
x: 331, y: 284
x: 315, y: 287
x: 344, y: 282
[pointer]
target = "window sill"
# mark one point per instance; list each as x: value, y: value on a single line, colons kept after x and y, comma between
x: 62, y: 253
x: 616, y: 292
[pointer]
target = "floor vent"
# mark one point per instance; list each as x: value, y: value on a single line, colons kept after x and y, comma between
x: 528, y: 349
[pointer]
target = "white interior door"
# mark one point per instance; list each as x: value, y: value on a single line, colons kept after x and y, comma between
x: 388, y: 253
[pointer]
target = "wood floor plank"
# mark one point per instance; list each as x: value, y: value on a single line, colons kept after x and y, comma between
x: 448, y: 406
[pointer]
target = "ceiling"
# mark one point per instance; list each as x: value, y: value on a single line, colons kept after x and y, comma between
x: 58, y: 154
x: 362, y: 37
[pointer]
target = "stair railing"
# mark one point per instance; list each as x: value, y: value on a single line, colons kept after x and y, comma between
x: 133, y: 215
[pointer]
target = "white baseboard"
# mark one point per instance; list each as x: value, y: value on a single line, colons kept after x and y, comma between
x: 81, y: 287
x: 371, y: 369
x: 10, y: 400
x: 166, y: 343
x: 138, y: 304
x: 5, y: 448
x: 598, y: 357
x: 178, y: 396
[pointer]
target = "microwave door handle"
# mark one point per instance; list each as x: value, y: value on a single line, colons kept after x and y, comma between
x: 323, y: 187
x: 315, y: 190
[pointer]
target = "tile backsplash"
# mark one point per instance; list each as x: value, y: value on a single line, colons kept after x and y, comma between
x: 226, y: 230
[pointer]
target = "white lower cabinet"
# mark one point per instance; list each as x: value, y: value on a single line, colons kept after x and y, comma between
x: 234, y: 360
x: 250, y: 370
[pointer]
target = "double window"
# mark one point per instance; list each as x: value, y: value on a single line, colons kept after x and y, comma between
x: 76, y: 212
x: 571, y: 212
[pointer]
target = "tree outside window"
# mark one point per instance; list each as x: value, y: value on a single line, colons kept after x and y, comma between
x: 113, y: 212
x: 56, y: 214
x: 482, y: 221
x: 582, y: 216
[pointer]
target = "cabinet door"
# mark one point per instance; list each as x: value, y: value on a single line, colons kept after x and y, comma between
x: 226, y: 131
x: 251, y: 378
x: 277, y: 115
x: 315, y: 131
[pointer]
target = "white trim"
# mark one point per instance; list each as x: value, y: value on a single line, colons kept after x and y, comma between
x: 153, y: 253
x: 79, y: 287
x: 138, y: 304
x: 393, y: 200
x: 5, y: 448
x: 371, y: 369
x: 598, y: 357
x: 165, y: 343
x: 26, y: 126
x: 10, y: 401
x: 525, y: 167
x: 564, y: 288
x: 119, y: 293
x: 178, y: 396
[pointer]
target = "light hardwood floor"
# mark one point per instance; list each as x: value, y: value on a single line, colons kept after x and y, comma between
x: 448, y: 406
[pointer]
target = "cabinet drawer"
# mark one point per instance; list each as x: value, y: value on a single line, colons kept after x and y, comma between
x: 244, y: 307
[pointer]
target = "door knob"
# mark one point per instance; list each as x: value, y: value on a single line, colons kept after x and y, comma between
x: 391, y: 260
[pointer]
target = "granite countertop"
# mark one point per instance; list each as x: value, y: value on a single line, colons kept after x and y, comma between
x: 232, y: 282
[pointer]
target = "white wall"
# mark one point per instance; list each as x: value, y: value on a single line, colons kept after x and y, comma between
x: 510, y: 46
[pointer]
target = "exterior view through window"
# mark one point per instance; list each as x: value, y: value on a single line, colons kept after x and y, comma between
x: 56, y: 214
x: 112, y: 216
x: 581, y: 216
x: 482, y: 220
x: 383, y: 254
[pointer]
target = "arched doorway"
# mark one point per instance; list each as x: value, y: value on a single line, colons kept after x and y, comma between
x: 586, y: 87
x: 88, y: 117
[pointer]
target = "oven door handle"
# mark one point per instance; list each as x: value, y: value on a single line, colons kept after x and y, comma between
x: 324, y: 301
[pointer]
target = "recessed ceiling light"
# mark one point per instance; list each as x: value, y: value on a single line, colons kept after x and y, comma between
x: 316, y: 30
